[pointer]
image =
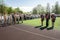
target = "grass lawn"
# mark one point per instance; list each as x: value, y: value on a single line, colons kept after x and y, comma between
x: 37, y: 22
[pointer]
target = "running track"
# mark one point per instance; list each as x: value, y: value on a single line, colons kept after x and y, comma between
x: 25, y: 32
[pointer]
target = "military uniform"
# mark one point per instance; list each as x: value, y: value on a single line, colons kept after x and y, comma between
x: 53, y: 18
x: 47, y: 16
x: 13, y: 19
x: 42, y: 19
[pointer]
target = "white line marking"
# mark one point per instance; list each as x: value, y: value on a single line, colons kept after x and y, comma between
x: 36, y: 33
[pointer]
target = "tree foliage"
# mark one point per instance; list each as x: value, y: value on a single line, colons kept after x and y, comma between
x: 18, y: 10
x: 56, y: 8
x: 38, y: 9
x: 48, y: 8
x: 34, y: 11
x: 9, y: 10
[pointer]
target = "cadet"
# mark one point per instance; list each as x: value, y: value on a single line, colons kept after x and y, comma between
x: 42, y: 19
x: 47, y: 16
x: 13, y: 19
x: 53, y: 17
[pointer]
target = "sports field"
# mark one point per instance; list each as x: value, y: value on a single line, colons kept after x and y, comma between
x: 37, y: 22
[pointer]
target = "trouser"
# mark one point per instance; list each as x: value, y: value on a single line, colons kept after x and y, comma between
x: 53, y: 22
x: 42, y: 22
x: 17, y: 19
x: 21, y: 19
x: 47, y: 22
x: 13, y: 21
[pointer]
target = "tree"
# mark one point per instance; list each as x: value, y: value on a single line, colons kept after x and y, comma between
x: 9, y: 10
x: 39, y: 9
x: 18, y: 10
x: 57, y: 8
x: 2, y: 6
x: 48, y: 8
x: 34, y: 11
x: 53, y: 9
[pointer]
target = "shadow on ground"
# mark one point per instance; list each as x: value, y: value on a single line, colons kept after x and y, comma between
x: 50, y: 28
x: 44, y: 27
x: 38, y: 26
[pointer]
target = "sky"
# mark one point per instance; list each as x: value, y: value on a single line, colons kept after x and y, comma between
x: 28, y: 5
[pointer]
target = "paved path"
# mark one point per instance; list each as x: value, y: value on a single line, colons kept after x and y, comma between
x: 25, y: 32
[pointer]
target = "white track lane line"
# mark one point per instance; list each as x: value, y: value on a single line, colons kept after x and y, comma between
x: 35, y: 33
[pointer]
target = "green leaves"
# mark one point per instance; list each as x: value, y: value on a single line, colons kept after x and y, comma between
x: 38, y: 9
x: 9, y: 10
x: 56, y: 8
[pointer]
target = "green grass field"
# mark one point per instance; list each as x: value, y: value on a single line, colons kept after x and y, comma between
x: 37, y: 22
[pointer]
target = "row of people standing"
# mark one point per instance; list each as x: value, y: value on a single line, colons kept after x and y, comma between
x: 16, y: 17
x: 47, y: 17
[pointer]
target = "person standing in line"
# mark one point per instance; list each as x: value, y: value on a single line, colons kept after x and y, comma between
x: 47, y: 16
x: 42, y: 19
x: 22, y: 18
x: 13, y: 19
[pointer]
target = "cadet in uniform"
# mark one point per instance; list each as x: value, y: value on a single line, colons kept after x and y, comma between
x: 47, y: 16
x: 13, y: 19
x: 42, y: 19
